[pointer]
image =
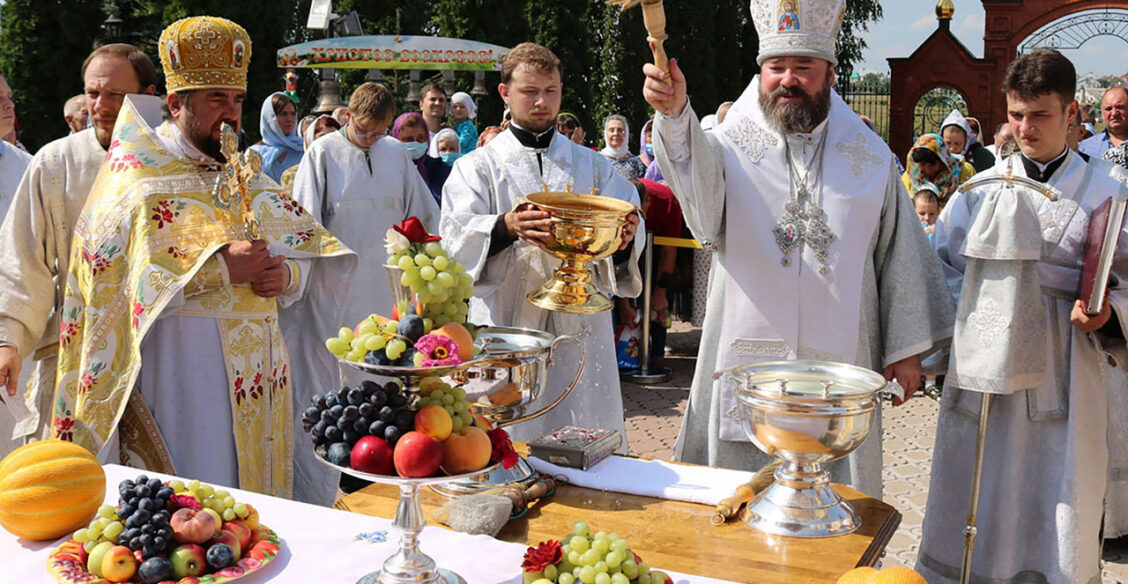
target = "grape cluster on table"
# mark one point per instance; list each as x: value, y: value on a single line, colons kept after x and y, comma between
x: 440, y: 283
x: 141, y: 521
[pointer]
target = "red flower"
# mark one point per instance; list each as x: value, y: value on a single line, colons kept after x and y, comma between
x: 138, y: 310
x: 502, y: 448
x: 414, y: 231
x: 185, y: 501
x: 538, y: 558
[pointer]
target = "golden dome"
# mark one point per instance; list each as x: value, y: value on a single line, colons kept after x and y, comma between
x: 945, y: 9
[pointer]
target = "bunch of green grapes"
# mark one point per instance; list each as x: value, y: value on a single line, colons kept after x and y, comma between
x: 434, y: 392
x: 440, y: 283
x: 602, y: 558
x: 105, y: 527
x: 221, y: 502
x: 369, y: 335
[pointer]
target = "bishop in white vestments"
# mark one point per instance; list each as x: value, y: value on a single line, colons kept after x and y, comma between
x: 488, y: 184
x: 819, y: 253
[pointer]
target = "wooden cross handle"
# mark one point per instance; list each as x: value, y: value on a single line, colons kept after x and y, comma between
x: 654, y: 18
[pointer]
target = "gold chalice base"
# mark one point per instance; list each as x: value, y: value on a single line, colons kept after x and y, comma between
x: 585, y: 228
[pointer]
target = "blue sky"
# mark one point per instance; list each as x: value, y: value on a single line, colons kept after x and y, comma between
x: 908, y: 22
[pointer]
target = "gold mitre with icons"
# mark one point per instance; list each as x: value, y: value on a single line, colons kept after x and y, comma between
x: 205, y: 52
x: 798, y: 28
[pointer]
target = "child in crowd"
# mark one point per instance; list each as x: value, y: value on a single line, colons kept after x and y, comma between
x: 926, y: 201
x: 463, y: 111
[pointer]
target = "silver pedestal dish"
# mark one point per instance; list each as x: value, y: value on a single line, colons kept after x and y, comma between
x: 807, y: 414
x: 505, y: 386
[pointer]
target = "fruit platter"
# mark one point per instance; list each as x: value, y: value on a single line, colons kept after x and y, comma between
x: 166, y: 531
x: 586, y: 558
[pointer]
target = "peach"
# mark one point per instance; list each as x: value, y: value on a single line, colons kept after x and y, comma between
x: 482, y: 421
x: 434, y: 421
x: 466, y: 451
x: 458, y: 333
x: 417, y: 455
x: 241, y: 531
x: 252, y: 518
x: 192, y: 526
x: 119, y: 565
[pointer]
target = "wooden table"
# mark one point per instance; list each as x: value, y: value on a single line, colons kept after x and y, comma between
x: 677, y: 535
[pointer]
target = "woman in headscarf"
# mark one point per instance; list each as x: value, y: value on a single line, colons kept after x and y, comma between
x: 281, y: 146
x: 930, y: 161
x: 463, y: 111
x: 411, y: 131
x: 962, y: 142
x: 311, y: 128
x: 568, y: 124
x: 448, y: 145
x: 646, y: 146
x: 616, y: 135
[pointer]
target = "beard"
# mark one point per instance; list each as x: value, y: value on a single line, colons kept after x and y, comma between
x: 794, y: 117
x: 534, y: 126
x: 204, y: 139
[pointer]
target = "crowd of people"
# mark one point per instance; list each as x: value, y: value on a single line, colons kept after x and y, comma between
x: 147, y: 315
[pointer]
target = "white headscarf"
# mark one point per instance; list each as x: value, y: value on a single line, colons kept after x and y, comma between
x: 465, y: 99
x: 445, y: 132
x: 621, y: 152
x: 958, y: 120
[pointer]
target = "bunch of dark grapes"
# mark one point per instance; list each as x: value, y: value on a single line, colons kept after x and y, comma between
x: 350, y: 413
x: 143, y: 506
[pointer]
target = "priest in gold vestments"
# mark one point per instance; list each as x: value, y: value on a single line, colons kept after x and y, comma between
x: 171, y: 356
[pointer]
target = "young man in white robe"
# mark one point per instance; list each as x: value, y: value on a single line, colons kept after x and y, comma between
x: 1014, y: 258
x: 497, y: 238
x: 35, y: 237
x: 819, y: 252
x: 357, y: 182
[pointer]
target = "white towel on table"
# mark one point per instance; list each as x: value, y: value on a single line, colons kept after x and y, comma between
x: 652, y: 478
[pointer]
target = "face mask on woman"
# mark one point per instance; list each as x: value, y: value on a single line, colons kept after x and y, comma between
x: 650, y: 150
x: 449, y: 157
x: 415, y: 149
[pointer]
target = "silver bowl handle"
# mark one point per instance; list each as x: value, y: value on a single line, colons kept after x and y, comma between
x: 567, y: 392
x: 891, y: 390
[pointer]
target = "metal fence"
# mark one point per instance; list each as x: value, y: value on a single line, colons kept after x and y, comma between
x: 933, y: 107
x: 868, y: 99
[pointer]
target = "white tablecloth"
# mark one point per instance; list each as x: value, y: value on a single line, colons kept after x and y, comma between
x: 319, y: 545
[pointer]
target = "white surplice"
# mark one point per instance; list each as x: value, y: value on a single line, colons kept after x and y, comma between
x: 491, y: 181
x: 357, y: 194
x: 1046, y: 455
x: 28, y: 239
x: 880, y: 299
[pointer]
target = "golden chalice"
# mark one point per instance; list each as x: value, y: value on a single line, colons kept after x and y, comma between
x: 585, y: 228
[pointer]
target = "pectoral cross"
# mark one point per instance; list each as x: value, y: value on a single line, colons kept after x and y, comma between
x: 235, y: 181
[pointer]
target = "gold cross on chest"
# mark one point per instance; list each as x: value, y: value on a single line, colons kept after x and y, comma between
x: 238, y: 173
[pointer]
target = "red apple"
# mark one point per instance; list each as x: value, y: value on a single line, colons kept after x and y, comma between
x: 417, y: 455
x: 188, y: 561
x: 240, y: 531
x: 119, y: 565
x: 373, y: 455
x: 192, y: 525
x: 229, y: 538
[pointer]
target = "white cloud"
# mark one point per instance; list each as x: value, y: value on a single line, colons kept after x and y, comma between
x: 926, y: 22
x: 972, y: 24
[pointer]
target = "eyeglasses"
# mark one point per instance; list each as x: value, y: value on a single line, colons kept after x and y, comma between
x: 362, y: 135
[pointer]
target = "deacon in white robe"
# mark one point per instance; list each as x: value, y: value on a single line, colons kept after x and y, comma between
x: 490, y: 182
x: 35, y: 245
x: 13, y: 162
x: 1044, y: 469
x: 357, y: 194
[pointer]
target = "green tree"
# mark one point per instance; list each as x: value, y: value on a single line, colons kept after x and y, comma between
x: 42, y: 46
x: 859, y: 13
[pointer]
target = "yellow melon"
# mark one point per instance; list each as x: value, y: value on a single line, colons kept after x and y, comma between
x: 49, y: 489
x: 897, y: 575
x: 857, y: 576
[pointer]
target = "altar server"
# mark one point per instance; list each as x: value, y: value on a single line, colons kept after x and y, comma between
x: 497, y: 238
x: 820, y: 254
x: 1014, y: 257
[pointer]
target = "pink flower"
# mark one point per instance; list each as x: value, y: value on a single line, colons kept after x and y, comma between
x: 438, y: 350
